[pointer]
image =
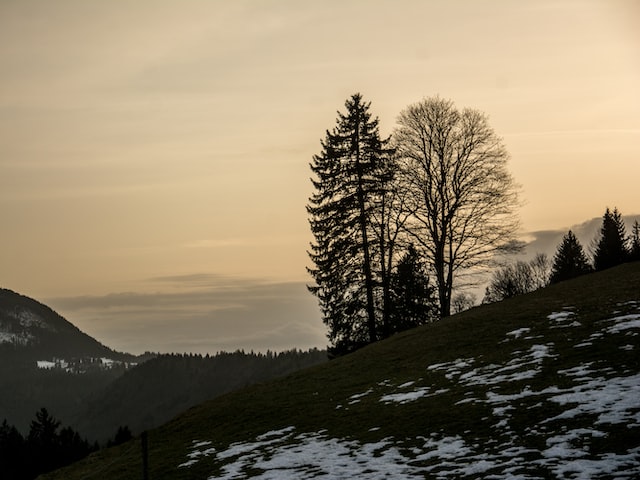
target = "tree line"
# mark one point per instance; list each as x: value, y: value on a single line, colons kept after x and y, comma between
x: 611, y: 247
x: 143, y: 398
x: 159, y: 389
x: 47, y: 447
x: 435, y: 199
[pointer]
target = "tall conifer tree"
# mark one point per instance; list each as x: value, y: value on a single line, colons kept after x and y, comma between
x: 347, y: 189
x: 412, y: 298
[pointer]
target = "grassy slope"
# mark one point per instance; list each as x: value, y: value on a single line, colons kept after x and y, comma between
x: 319, y: 398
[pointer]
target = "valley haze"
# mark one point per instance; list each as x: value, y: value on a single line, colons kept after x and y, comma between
x: 205, y: 313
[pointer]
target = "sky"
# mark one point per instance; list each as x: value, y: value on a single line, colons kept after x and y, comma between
x: 154, y: 154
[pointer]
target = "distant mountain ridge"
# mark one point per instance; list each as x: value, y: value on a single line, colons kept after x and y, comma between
x: 31, y: 327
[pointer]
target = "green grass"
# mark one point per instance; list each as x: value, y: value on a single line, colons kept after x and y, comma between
x: 319, y: 398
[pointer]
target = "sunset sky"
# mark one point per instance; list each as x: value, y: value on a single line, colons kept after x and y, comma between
x: 154, y: 154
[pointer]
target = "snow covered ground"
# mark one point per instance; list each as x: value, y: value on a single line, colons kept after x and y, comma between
x: 81, y: 365
x: 609, y: 399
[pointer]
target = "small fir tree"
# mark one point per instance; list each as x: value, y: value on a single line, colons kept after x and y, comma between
x: 570, y: 260
x: 12, y: 453
x: 413, y: 300
x: 611, y: 248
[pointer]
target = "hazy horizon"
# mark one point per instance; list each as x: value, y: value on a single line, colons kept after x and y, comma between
x: 154, y: 156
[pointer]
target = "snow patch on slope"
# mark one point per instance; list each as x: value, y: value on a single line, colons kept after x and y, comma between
x: 284, y: 454
x: 610, y: 399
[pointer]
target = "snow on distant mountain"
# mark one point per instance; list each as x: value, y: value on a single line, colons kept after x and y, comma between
x: 82, y: 365
x: 17, y: 326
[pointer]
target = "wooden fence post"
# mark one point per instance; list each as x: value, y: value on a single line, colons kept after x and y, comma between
x: 145, y: 455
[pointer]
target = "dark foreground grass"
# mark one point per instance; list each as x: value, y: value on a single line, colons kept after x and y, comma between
x: 343, y: 398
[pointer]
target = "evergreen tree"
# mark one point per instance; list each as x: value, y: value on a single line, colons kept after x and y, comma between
x: 634, y: 243
x: 347, y: 188
x: 122, y: 435
x: 43, y: 442
x: 611, y: 248
x: 570, y: 260
x: 413, y: 301
x: 12, y: 453
x: 72, y: 447
x: 42, y: 451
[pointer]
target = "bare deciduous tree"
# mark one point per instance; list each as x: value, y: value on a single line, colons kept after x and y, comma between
x: 518, y: 278
x: 461, y: 195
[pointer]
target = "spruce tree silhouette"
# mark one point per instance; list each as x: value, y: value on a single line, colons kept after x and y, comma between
x: 611, y: 247
x: 570, y: 260
x: 347, y: 185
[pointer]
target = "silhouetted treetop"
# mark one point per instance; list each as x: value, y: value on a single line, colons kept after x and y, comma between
x: 570, y: 260
x: 611, y: 247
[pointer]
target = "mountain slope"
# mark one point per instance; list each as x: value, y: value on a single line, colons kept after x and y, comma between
x: 545, y: 385
x: 154, y: 392
x: 32, y: 327
x: 45, y: 361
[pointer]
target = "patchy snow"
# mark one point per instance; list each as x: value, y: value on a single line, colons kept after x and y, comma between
x: 287, y: 455
x: 561, y: 319
x: 623, y: 323
x: 519, y: 332
x: 28, y: 319
x: 45, y: 364
x: 358, y: 396
x: 56, y: 363
x: 560, y: 316
x: 405, y: 397
x: 523, y: 366
x: 82, y: 364
x: 23, y: 338
x: 612, y: 401
x: 195, y: 454
x: 406, y: 384
x: 609, y: 400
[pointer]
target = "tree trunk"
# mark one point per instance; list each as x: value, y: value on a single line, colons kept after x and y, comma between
x: 371, y: 314
x: 444, y: 294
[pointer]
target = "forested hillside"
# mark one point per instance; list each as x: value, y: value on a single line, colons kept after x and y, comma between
x: 160, y: 388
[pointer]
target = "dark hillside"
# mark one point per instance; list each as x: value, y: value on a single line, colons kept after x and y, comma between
x: 45, y: 361
x: 545, y: 385
x: 152, y: 393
